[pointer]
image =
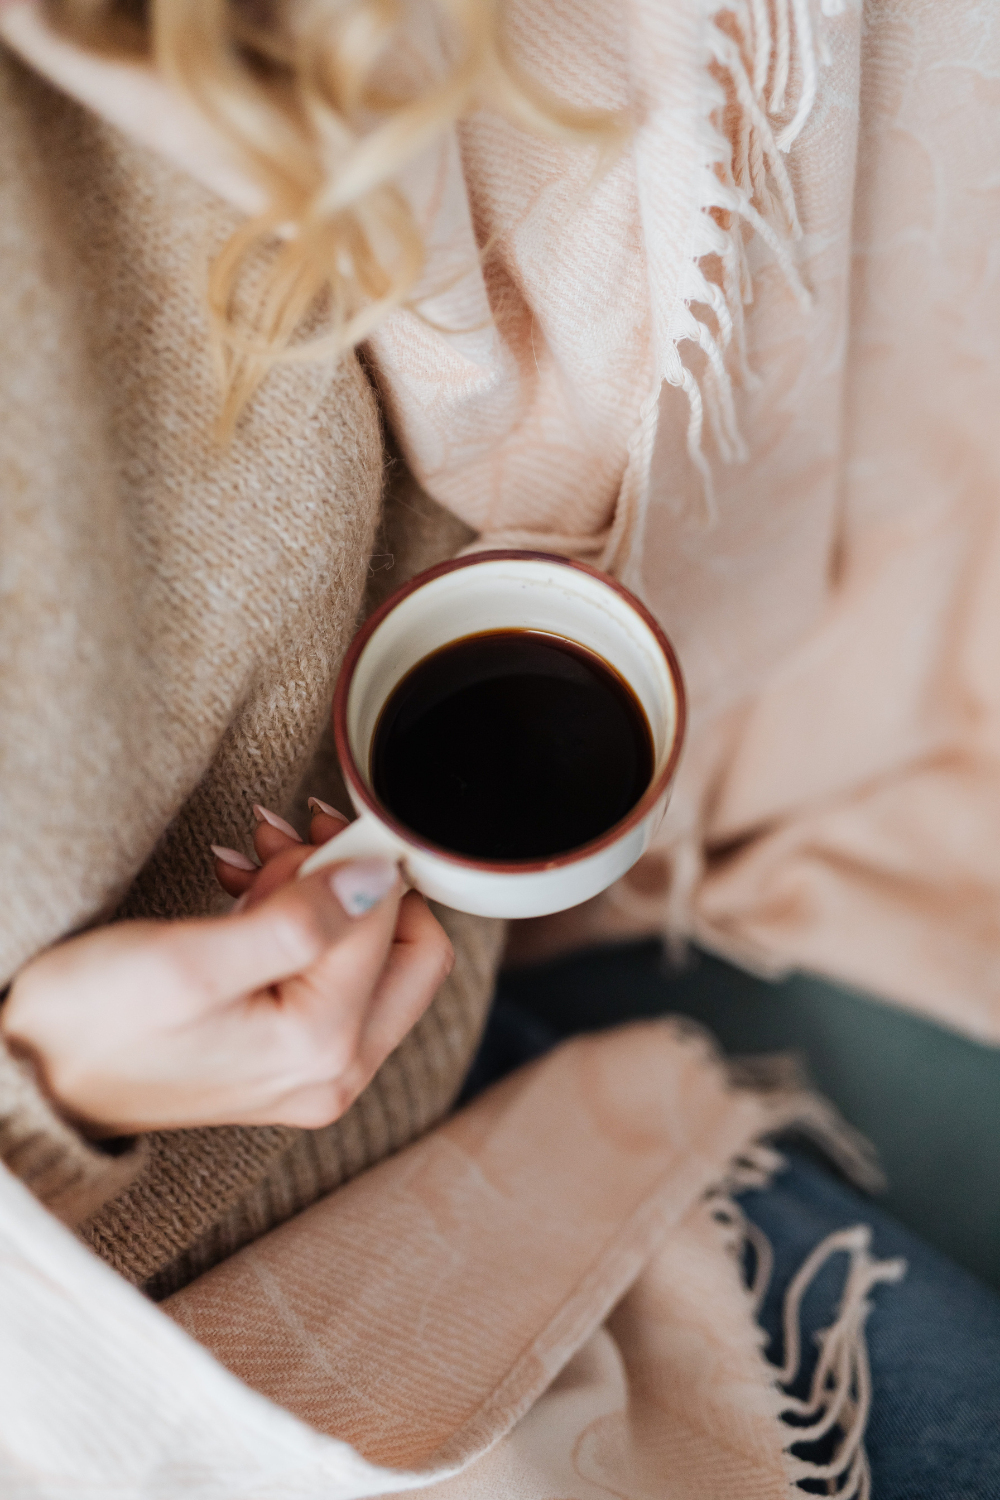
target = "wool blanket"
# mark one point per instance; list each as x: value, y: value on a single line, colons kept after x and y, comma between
x: 543, y: 1298
x: 754, y: 369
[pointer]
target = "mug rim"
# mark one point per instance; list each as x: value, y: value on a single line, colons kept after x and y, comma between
x: 356, y: 782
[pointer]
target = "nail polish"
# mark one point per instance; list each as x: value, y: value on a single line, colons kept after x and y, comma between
x: 359, y: 887
x: 233, y: 858
x: 264, y: 816
x: 324, y: 807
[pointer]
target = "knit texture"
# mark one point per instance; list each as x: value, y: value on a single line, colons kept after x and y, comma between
x: 173, y: 616
x: 60, y: 1168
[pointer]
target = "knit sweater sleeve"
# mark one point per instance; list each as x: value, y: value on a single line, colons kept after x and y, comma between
x: 72, y: 1176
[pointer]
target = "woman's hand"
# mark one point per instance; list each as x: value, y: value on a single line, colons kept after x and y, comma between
x: 278, y: 1014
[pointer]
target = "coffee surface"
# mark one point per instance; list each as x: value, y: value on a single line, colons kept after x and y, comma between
x: 511, y: 745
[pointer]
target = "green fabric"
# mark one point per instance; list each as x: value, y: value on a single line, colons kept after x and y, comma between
x: 929, y: 1100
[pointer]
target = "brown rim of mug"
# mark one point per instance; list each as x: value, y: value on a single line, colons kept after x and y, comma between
x: 356, y: 782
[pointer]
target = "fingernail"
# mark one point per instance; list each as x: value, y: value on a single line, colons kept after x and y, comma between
x: 263, y: 816
x: 233, y: 858
x: 361, y: 886
x: 238, y: 905
x: 324, y: 807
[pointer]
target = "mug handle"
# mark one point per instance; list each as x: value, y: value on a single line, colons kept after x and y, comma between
x: 365, y: 838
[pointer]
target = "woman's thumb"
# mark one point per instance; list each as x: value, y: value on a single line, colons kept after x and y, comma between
x: 292, y: 928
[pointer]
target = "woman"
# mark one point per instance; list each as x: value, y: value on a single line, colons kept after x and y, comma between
x: 172, y: 631
x: 523, y: 303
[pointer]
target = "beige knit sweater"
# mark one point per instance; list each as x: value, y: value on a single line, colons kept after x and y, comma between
x: 172, y: 615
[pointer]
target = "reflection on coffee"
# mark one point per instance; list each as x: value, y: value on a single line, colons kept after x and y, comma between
x: 511, y: 745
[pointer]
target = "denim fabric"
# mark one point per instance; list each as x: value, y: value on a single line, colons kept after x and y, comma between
x: 513, y: 1036
x: 933, y: 1338
x: 928, y: 1099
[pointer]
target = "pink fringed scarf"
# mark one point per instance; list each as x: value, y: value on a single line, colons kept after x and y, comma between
x: 753, y: 369
x: 541, y: 1299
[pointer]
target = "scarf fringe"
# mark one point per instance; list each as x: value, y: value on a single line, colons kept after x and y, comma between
x: 745, y: 185
x: 755, y: 49
x: 782, y: 1076
x: 839, y: 1399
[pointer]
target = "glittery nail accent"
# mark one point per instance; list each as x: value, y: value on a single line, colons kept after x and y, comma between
x: 359, y: 887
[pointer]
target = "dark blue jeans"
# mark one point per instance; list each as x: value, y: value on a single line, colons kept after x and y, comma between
x: 933, y: 1337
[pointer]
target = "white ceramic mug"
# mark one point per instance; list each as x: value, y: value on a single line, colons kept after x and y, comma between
x: 503, y: 591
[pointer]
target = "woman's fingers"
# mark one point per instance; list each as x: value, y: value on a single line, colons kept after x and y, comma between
x: 332, y: 996
x: 324, y: 828
x: 419, y: 962
x: 284, y: 933
x: 273, y: 836
x: 280, y: 857
x: 326, y: 823
x: 332, y: 1022
x: 233, y: 870
x: 211, y: 1021
x: 276, y: 873
x: 357, y: 1044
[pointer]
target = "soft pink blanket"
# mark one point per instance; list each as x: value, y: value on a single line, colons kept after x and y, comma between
x: 542, y: 1299
x: 756, y: 369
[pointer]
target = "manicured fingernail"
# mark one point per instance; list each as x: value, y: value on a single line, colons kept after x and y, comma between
x: 263, y: 816
x: 238, y: 905
x: 361, y: 886
x: 233, y: 858
x: 326, y: 809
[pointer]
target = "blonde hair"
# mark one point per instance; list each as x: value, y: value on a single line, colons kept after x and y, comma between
x: 324, y: 105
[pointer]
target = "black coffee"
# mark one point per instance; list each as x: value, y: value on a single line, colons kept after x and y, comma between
x: 511, y: 745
